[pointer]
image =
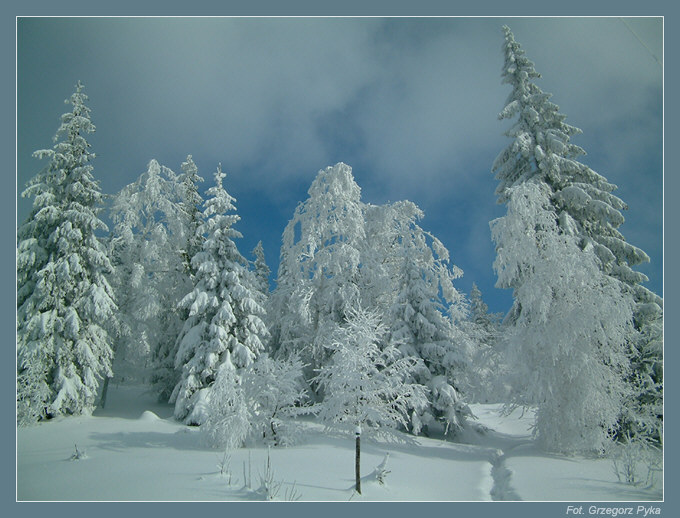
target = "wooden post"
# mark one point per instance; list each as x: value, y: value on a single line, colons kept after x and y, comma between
x: 357, y: 459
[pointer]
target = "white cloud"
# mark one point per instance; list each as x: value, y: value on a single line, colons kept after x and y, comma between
x: 422, y: 95
x: 411, y: 104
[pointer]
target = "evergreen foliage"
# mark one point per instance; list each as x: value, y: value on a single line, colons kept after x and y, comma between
x: 225, y: 321
x: 340, y: 255
x: 147, y: 246
x: 258, y: 403
x: 365, y: 326
x: 566, y: 349
x: 63, y: 296
x: 421, y: 324
x: 261, y: 274
x: 489, y: 371
x: 190, y: 205
x: 585, y: 207
x: 541, y: 150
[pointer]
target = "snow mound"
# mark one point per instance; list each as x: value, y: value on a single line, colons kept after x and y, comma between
x: 148, y: 415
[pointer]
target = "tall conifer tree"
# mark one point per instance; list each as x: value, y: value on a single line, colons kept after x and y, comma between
x: 585, y: 207
x: 225, y: 321
x: 63, y: 296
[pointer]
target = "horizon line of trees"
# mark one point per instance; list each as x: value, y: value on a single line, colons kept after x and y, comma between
x: 365, y: 326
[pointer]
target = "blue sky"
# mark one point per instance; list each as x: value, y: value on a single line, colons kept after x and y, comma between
x: 410, y: 103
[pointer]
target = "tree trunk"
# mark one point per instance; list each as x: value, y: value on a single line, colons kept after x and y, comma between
x: 105, y: 389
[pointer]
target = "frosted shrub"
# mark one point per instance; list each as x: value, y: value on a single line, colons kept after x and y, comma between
x: 257, y: 403
x: 380, y: 472
x: 227, y: 421
x: 635, y: 461
x: 78, y: 454
x: 274, y: 392
x: 269, y: 488
x: 448, y: 404
x: 225, y: 466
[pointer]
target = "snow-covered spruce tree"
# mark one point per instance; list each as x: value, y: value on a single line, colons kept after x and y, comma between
x: 488, y: 369
x: 261, y: 272
x: 479, y: 310
x: 224, y: 322
x: 188, y: 240
x: 63, y: 297
x: 190, y: 205
x: 150, y: 234
x: 366, y: 384
x: 319, y: 269
x: 566, y: 351
x: 642, y: 418
x: 541, y: 150
x: 420, y: 320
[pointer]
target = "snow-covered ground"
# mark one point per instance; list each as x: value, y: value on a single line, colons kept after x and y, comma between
x: 134, y: 450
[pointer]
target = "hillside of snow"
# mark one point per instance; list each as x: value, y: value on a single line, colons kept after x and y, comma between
x: 133, y: 450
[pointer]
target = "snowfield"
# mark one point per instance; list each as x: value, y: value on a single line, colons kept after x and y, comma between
x: 133, y: 450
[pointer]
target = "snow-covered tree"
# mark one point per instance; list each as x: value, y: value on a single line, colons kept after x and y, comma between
x: 488, y: 371
x: 262, y: 271
x: 187, y: 240
x: 541, y: 150
x: 63, y: 297
x: 258, y: 403
x: 339, y: 254
x: 366, y: 385
x: 479, y: 310
x: 275, y: 393
x: 567, y: 349
x: 642, y: 417
x: 420, y: 320
x: 150, y: 234
x: 190, y: 203
x: 226, y: 414
x: 225, y: 320
x: 320, y: 266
